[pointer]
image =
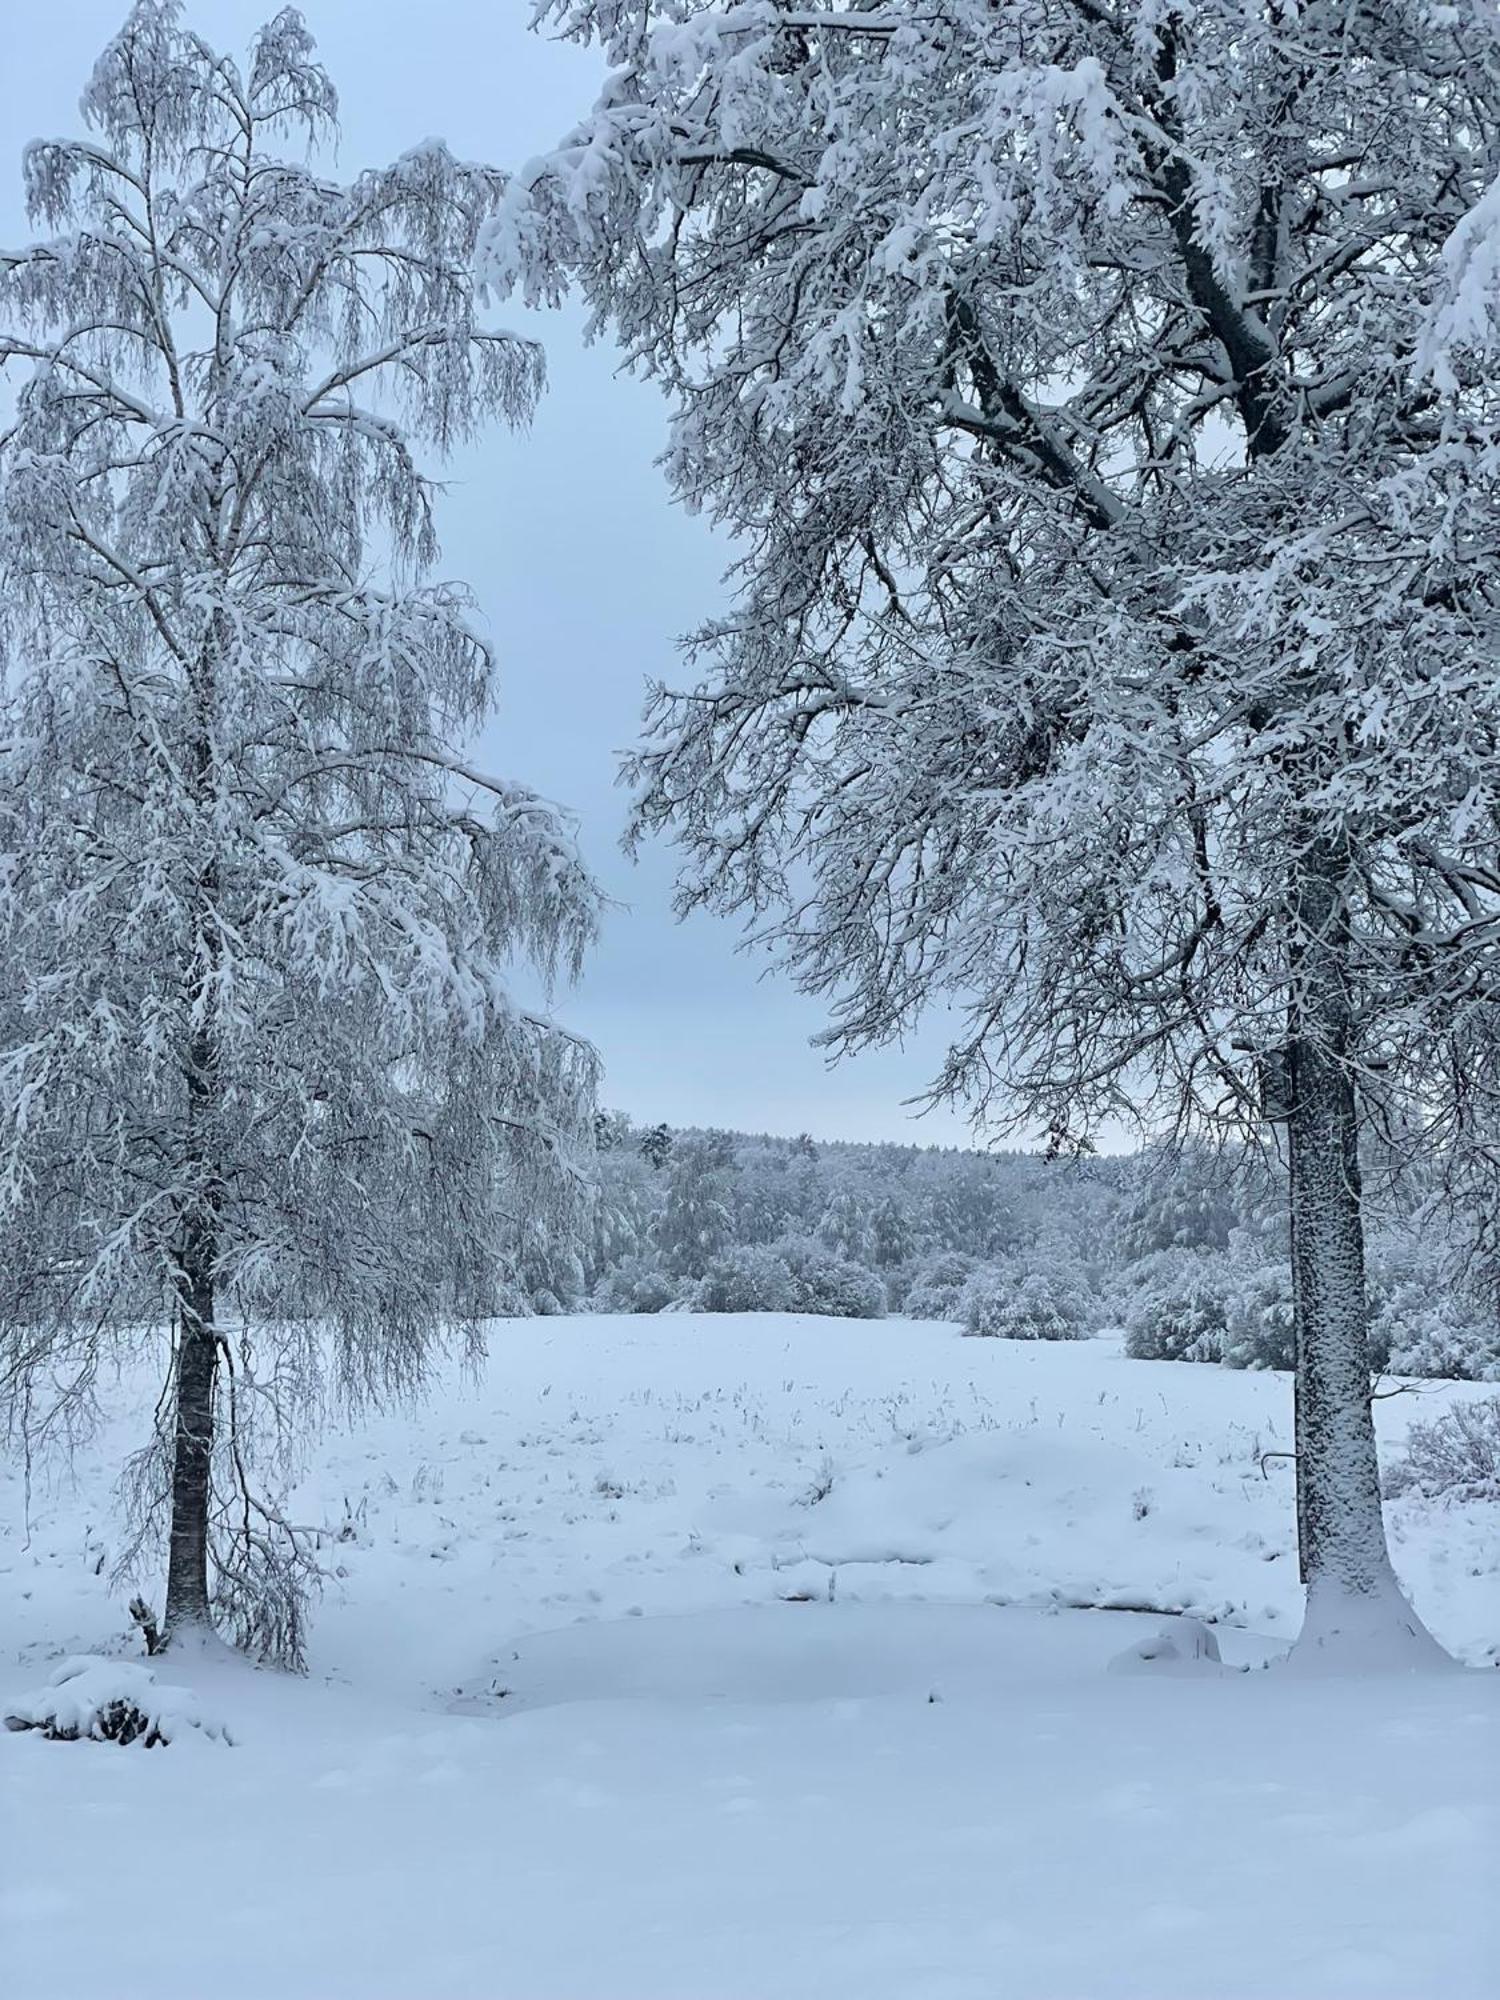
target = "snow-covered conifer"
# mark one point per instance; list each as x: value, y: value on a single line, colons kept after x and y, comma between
x: 261, y: 1074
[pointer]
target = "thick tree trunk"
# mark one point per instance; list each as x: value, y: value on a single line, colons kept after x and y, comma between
x: 197, y: 1362
x: 1356, y: 1614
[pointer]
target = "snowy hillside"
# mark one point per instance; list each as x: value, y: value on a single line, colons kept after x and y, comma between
x: 695, y: 1658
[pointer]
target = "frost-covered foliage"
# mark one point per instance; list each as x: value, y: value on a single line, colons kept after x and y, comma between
x: 847, y: 1226
x: 1416, y: 1330
x: 1055, y: 367
x: 1014, y: 1301
x: 1237, y: 1306
x: 1191, y: 1196
x: 637, y: 1285
x: 112, y: 1701
x: 1217, y: 1265
x: 1259, y: 1319
x: 916, y: 1224
x: 937, y: 1285
x: 824, y: 1282
x: 695, y: 1224
x: 1455, y: 1457
x: 261, y: 1072
x: 796, y: 1274
x: 1181, y: 1310
x: 753, y: 1277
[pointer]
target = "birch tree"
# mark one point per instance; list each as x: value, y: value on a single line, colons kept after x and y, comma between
x: 1113, y: 640
x: 261, y: 1073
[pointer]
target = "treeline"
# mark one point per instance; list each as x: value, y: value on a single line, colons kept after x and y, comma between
x: 1183, y: 1247
x: 733, y: 1222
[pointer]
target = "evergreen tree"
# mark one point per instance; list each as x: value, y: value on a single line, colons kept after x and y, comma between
x: 695, y: 1225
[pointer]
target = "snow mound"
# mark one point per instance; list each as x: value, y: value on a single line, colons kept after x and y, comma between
x: 1186, y: 1645
x: 112, y: 1701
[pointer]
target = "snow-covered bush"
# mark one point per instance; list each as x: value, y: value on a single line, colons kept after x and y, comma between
x: 1010, y: 1302
x: 637, y: 1285
x: 937, y: 1287
x: 1259, y: 1327
x: 828, y: 1284
x: 111, y: 1701
x: 750, y: 1278
x: 1455, y: 1457
x: 1182, y: 1312
x: 1416, y: 1329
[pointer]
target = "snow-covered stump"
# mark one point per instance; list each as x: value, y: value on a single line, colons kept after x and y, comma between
x: 113, y: 1701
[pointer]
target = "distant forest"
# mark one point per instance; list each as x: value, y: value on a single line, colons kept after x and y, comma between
x: 1182, y: 1247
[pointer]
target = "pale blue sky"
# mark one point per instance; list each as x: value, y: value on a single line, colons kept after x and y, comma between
x: 586, y: 575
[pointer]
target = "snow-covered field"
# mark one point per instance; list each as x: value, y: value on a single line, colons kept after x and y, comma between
x: 741, y: 1658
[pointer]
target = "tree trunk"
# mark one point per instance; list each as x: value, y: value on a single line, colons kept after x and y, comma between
x: 197, y: 1259
x: 1355, y: 1610
x: 197, y: 1356
x: 197, y: 1362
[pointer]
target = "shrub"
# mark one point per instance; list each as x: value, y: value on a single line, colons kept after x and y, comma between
x: 636, y: 1286
x: 936, y: 1288
x: 824, y: 1283
x: 1009, y: 1302
x: 1455, y: 1457
x: 1183, y: 1314
x: 749, y: 1278
x: 1415, y: 1331
x: 1259, y: 1323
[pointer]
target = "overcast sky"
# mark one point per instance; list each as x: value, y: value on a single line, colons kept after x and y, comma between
x: 586, y: 575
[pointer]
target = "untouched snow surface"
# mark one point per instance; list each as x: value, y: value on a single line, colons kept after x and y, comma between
x: 742, y: 1658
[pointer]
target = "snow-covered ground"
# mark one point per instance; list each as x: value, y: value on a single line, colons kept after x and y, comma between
x: 741, y: 1658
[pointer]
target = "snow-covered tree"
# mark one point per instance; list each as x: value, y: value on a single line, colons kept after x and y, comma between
x: 1114, y: 641
x: 695, y: 1226
x: 845, y: 1226
x: 260, y: 1071
x: 1180, y: 1198
x: 890, y: 1234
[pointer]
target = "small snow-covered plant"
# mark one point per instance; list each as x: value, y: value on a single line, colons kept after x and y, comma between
x: 262, y: 1080
x: 1183, y: 1314
x: 750, y: 1278
x: 828, y: 1284
x: 111, y: 1701
x: 1013, y: 1302
x: 1455, y: 1457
